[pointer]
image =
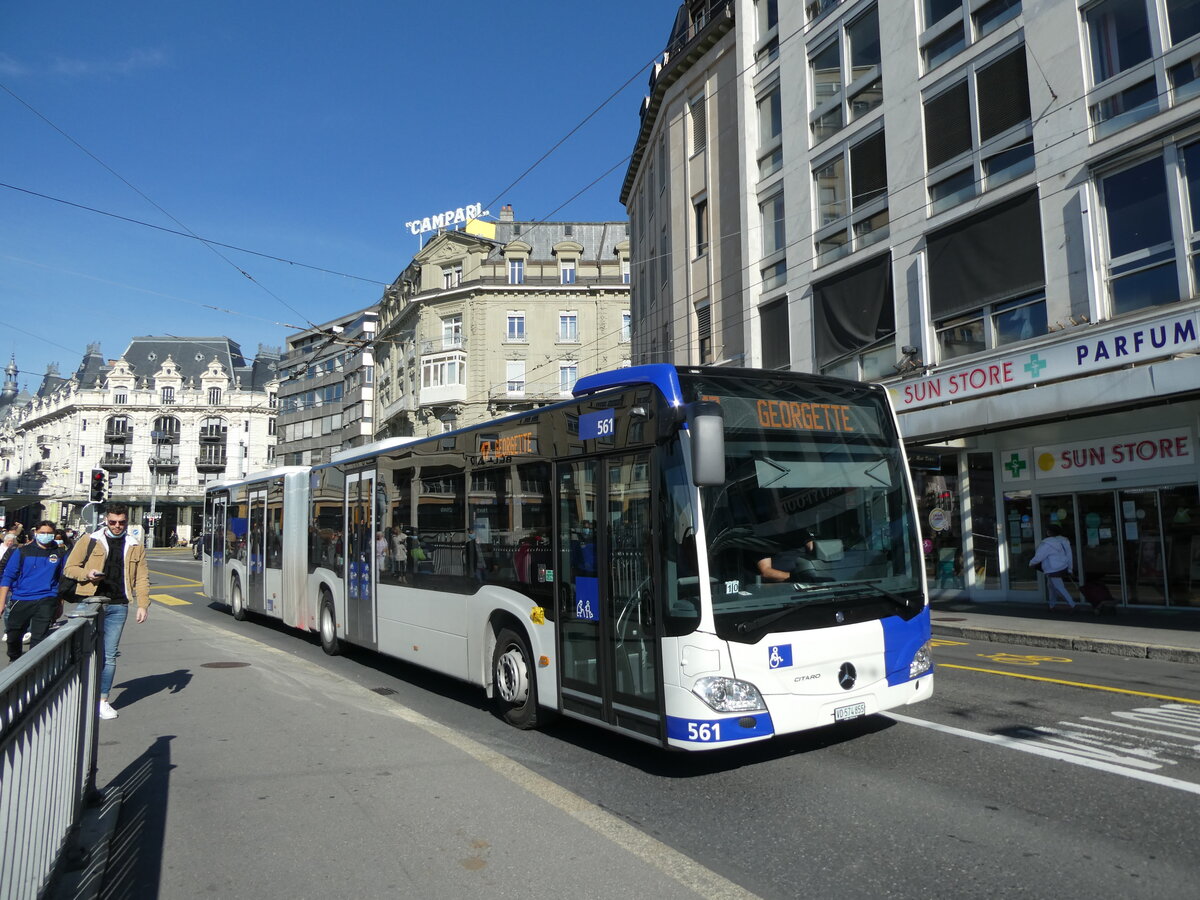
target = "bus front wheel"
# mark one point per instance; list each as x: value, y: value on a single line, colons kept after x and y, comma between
x: 329, y: 639
x: 237, y: 603
x: 514, y: 684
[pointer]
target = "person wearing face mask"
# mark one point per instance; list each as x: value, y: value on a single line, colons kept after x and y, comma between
x: 30, y: 579
x: 111, y: 570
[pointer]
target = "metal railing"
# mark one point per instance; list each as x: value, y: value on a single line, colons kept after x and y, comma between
x: 48, y: 743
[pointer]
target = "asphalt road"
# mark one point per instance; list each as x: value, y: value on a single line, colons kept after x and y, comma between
x: 1030, y: 773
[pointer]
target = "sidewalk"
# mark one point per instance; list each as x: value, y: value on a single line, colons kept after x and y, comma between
x: 239, y: 770
x: 1147, y: 633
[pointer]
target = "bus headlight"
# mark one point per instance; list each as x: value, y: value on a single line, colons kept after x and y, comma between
x: 728, y: 694
x: 922, y: 661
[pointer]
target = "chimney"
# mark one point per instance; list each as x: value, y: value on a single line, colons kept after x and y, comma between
x: 506, y: 213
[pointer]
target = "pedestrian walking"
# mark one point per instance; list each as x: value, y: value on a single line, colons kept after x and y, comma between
x: 30, y: 579
x: 399, y: 553
x: 111, y: 570
x: 1056, y: 559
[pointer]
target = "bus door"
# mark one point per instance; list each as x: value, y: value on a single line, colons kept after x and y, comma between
x: 256, y: 593
x: 360, y: 575
x: 608, y: 634
x: 212, y: 545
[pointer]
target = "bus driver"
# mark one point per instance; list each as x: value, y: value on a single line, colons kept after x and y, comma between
x: 791, y: 565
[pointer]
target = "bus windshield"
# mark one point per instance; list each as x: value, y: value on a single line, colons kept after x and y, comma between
x: 813, y: 516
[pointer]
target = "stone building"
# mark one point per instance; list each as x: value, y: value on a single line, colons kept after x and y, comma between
x: 992, y: 207
x: 326, y: 389
x: 164, y: 419
x: 483, y: 324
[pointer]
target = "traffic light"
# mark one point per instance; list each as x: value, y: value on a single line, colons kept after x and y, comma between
x: 99, y: 476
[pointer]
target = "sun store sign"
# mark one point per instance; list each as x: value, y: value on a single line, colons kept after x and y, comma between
x: 1101, y: 456
x: 1097, y: 350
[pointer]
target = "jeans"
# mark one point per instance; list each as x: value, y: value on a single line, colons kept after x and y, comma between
x: 111, y: 623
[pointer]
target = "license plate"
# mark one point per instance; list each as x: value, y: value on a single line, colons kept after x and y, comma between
x: 849, y: 712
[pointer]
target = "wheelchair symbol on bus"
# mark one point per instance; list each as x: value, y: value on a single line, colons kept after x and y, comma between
x: 779, y: 656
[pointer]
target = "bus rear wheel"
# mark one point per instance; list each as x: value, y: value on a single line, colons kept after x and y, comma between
x: 237, y: 603
x: 328, y: 622
x: 514, y: 685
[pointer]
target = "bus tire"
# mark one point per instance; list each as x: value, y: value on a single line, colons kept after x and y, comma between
x: 237, y: 602
x: 514, y: 680
x: 327, y: 626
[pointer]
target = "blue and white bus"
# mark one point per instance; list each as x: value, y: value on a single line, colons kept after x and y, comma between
x: 693, y: 557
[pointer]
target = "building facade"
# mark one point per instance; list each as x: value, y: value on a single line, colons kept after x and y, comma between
x: 327, y: 389
x: 163, y: 420
x: 503, y: 318
x: 990, y: 207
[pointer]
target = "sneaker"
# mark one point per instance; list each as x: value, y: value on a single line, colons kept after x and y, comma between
x: 106, y: 710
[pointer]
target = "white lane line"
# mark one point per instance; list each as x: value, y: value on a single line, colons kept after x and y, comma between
x: 1038, y: 749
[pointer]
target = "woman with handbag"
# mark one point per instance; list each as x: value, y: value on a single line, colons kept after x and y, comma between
x: 1056, y: 560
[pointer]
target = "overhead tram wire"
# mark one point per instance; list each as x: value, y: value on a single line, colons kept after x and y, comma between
x: 144, y: 196
x: 194, y: 237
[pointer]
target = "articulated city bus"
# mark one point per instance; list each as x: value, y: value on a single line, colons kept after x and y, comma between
x: 694, y: 557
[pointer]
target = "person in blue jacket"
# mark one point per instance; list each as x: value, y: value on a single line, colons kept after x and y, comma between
x: 29, y: 588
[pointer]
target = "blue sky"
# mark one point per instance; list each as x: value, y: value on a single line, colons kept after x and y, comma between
x: 304, y: 130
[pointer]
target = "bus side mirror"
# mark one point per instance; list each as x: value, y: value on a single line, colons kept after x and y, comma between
x: 706, y: 424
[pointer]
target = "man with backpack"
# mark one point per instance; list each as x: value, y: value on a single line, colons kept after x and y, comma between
x: 30, y: 578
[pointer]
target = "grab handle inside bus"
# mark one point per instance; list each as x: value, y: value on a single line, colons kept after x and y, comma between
x: 706, y: 425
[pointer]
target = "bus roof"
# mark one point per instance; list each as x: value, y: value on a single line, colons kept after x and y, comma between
x: 262, y: 475
x: 659, y: 375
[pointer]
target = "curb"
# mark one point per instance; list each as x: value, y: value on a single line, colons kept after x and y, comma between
x: 1132, y: 649
x: 91, y: 844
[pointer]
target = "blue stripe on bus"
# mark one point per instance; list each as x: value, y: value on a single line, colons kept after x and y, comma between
x: 717, y: 731
x: 660, y: 375
x: 901, y: 641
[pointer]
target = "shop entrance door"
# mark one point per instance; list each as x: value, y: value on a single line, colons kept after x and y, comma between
x: 1140, y: 544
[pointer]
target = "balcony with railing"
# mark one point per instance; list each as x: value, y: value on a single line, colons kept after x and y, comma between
x: 164, y: 460
x: 120, y: 462
x: 214, y: 461
x: 438, y: 345
x: 121, y: 434
x: 518, y: 391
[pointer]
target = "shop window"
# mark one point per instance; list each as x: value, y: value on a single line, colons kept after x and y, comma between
x: 1019, y: 541
x: 940, y: 505
x: 984, y: 527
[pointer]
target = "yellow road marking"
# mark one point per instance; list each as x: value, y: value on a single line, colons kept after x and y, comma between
x: 946, y: 642
x: 174, y: 575
x: 167, y: 587
x: 169, y: 600
x: 1079, y: 684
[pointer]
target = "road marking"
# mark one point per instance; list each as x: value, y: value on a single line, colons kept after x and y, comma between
x: 1016, y: 659
x: 168, y: 600
x: 674, y: 864
x: 946, y: 642
x: 1039, y: 749
x: 1078, y: 684
x: 191, y: 581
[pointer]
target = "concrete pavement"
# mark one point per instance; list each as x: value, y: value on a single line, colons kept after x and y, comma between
x: 243, y: 770
x: 1145, y: 633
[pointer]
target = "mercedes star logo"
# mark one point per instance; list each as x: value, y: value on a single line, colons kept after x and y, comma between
x: 847, y: 676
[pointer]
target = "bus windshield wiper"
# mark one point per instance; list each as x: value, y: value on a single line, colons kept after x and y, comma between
x: 898, y: 599
x: 798, y: 601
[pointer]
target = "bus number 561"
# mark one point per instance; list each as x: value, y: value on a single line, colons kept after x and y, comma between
x: 704, y: 731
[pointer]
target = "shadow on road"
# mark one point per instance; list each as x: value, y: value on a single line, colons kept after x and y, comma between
x: 136, y: 852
